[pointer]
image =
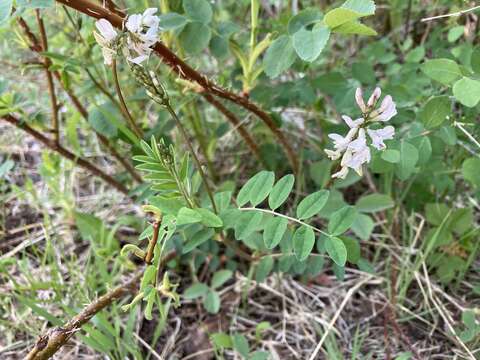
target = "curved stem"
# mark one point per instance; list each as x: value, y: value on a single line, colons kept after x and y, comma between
x: 195, y: 158
x: 123, y: 105
x: 286, y: 217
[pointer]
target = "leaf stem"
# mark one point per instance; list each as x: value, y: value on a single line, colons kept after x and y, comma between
x: 285, y: 217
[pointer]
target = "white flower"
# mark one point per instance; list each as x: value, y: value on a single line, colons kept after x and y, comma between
x: 387, y: 109
x: 106, y: 39
x: 378, y: 136
x: 143, y: 29
x: 359, y: 100
x: 358, y: 159
x: 341, y: 143
x: 342, y: 174
x: 352, y: 123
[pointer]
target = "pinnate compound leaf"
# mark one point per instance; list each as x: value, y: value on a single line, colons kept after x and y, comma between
x: 256, y: 189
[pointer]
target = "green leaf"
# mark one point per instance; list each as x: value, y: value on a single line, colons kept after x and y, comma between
x: 391, y: 156
x: 209, y: 219
x: 195, y: 291
x: 436, y: 213
x: 355, y: 27
x: 256, y: 189
x: 374, y: 202
x: 198, y: 10
x: 274, y: 230
x: 195, y: 37
x: 188, y: 216
x: 211, y: 302
x: 6, y: 167
x: 416, y: 55
x: 101, y: 124
x: 197, y: 239
x: 303, y: 242
x: 171, y: 21
x: 279, y: 56
x: 408, y: 159
x: 240, y: 344
x: 280, y: 191
x: 336, y: 250
x: 455, y: 33
x: 435, y: 111
x: 342, y: 220
x: 5, y: 10
x: 353, y: 249
x: 364, y: 7
x: 471, y: 171
x: 247, y: 223
x: 475, y: 60
x: 220, y: 278
x: 363, y: 226
x: 221, y: 340
x: 303, y: 18
x: 312, y: 204
x: 445, y: 71
x: 309, y: 43
x: 339, y: 16
x: 467, y: 91
x: 264, y: 268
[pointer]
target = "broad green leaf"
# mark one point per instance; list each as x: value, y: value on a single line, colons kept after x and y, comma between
x: 435, y: 111
x: 6, y: 167
x: 467, y: 91
x: 247, y: 223
x: 5, y: 10
x: 312, y: 204
x: 221, y: 277
x: 455, y: 33
x: 274, y: 230
x: 445, y: 71
x: 309, y: 43
x: 374, y: 202
x: 101, y: 124
x: 256, y: 189
x: 436, y: 213
x: 355, y: 27
x: 197, y: 239
x: 336, y: 250
x: 195, y: 37
x: 342, y: 220
x: 363, y: 226
x: 471, y: 170
x: 320, y: 172
x: 264, y: 268
x: 188, y: 216
x: 279, y: 56
x: 303, y: 242
x: 198, y: 10
x: 424, y: 147
x: 416, y: 55
x: 240, y: 344
x: 475, y: 60
x: 353, y: 249
x: 211, y: 302
x: 339, y: 16
x: 195, y: 291
x: 391, y: 156
x: 304, y: 18
x: 172, y: 21
x: 280, y: 191
x: 364, y: 7
x: 408, y: 159
x: 221, y: 340
x: 209, y: 219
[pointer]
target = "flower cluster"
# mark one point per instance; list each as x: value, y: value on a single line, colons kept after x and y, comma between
x: 141, y: 34
x: 353, y: 148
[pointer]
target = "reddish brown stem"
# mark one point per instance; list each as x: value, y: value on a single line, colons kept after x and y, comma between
x: 34, y: 45
x: 153, y: 242
x: 187, y: 72
x: 48, y: 344
x: 65, y: 153
x: 231, y: 117
x: 51, y: 85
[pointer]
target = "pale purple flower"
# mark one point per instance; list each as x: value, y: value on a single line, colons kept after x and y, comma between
x: 378, y: 136
x: 341, y: 143
x: 387, y: 109
x: 143, y: 30
x: 359, y: 100
x: 352, y: 123
x: 372, y: 101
